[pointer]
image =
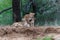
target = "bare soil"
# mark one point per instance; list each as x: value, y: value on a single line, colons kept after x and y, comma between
x: 27, y: 33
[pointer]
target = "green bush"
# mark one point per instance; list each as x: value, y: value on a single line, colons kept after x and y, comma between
x: 6, y: 17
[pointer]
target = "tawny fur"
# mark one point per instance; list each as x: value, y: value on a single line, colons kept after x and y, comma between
x: 29, y: 19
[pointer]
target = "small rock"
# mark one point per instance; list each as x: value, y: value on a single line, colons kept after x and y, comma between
x: 56, y: 37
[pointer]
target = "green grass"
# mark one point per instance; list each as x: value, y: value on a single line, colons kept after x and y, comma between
x: 45, y: 38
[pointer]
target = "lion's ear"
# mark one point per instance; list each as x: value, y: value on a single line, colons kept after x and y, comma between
x: 32, y: 13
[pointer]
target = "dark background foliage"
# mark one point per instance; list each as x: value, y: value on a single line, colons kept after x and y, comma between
x: 47, y: 11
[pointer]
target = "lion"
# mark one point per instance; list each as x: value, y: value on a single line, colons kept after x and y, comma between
x: 29, y: 19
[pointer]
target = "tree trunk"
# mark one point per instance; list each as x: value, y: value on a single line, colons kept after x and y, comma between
x: 16, y: 10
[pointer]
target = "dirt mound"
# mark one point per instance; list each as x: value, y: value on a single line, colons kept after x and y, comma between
x: 29, y: 31
x: 21, y: 30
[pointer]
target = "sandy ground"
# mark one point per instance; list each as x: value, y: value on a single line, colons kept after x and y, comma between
x: 15, y: 38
